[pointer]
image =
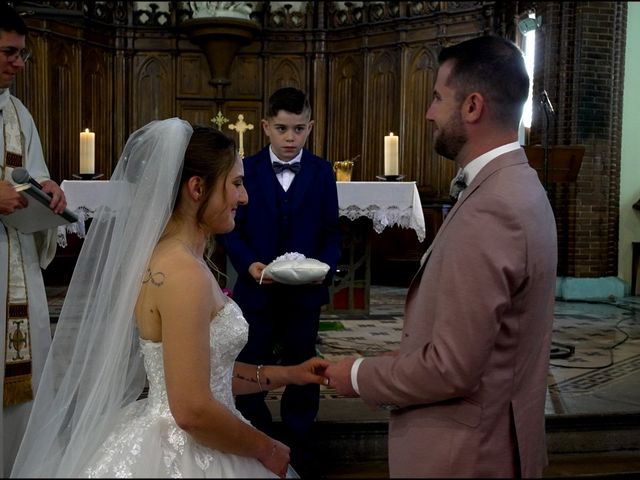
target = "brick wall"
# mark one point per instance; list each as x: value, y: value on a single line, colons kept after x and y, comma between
x: 580, y: 63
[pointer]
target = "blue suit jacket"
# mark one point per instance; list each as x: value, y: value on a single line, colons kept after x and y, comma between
x: 311, y: 228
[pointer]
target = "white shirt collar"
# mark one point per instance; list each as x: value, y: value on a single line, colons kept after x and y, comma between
x: 472, y: 168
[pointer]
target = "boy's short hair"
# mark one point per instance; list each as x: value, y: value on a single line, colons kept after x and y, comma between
x: 11, y: 21
x: 290, y: 100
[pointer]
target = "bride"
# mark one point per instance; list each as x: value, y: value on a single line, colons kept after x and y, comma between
x: 142, y: 293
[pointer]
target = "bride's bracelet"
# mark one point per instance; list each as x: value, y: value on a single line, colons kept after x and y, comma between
x: 258, y: 376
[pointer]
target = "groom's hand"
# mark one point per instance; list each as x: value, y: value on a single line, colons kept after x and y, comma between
x: 339, y: 375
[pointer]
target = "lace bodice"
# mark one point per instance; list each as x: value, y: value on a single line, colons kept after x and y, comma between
x: 147, y: 442
x: 228, y: 334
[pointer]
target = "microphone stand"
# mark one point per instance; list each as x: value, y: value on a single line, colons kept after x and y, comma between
x: 558, y: 350
x: 548, y: 112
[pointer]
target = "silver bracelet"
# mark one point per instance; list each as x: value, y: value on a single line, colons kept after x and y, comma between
x: 258, y: 376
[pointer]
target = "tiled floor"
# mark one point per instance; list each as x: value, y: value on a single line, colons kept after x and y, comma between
x: 600, y: 376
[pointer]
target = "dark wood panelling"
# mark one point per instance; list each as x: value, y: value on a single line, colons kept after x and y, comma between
x: 381, y: 110
x: 120, y: 119
x: 318, y: 71
x: 369, y: 69
x: 246, y: 78
x: 196, y: 112
x: 66, y: 99
x: 153, y: 82
x: 193, y: 76
x: 285, y: 71
x: 97, y: 99
x: 345, y: 102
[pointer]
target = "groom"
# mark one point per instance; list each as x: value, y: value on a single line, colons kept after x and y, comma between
x: 467, y: 388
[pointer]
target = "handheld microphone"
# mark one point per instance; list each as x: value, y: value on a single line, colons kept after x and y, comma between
x: 20, y: 175
x: 546, y: 103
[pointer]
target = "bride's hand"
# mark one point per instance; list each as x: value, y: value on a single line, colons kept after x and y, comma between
x: 278, y: 459
x: 311, y: 371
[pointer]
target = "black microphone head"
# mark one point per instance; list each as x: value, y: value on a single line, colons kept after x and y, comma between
x: 20, y: 175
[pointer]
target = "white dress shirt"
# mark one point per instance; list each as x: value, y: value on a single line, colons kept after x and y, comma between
x: 286, y: 176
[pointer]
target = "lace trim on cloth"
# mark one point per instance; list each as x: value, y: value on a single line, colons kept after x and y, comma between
x: 76, y: 228
x: 385, y: 217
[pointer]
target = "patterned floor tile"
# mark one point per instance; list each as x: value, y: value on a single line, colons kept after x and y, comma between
x: 605, y: 338
x: 601, y: 373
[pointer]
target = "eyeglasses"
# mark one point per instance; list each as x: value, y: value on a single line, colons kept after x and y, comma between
x: 12, y: 53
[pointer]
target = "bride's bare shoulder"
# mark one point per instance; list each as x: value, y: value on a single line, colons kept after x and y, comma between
x: 177, y: 263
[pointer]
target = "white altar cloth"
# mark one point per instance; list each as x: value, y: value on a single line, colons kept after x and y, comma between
x: 86, y: 196
x: 83, y: 198
x: 387, y: 204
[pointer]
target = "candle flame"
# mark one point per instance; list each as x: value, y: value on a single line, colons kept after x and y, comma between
x: 86, y: 130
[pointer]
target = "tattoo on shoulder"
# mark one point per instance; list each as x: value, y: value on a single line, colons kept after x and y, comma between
x: 155, y: 278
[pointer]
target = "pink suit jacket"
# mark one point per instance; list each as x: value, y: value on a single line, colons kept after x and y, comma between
x: 468, y: 388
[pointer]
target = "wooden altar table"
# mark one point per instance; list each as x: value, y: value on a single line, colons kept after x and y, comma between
x: 365, y: 206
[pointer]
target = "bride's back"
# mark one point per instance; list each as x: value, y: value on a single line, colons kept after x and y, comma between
x: 171, y: 257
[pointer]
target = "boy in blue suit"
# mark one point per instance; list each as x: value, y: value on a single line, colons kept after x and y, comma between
x: 293, y: 207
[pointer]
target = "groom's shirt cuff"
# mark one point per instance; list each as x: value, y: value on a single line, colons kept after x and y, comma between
x: 354, y: 374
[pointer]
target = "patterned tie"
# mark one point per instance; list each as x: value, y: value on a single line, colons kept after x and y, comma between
x: 278, y: 167
x: 457, y: 185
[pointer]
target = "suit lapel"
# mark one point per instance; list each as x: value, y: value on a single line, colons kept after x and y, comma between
x: 508, y: 159
x: 266, y: 178
x: 302, y: 181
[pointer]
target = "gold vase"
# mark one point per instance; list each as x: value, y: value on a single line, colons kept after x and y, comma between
x: 343, y: 170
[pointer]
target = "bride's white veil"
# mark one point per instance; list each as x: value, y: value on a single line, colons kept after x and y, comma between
x: 94, y: 367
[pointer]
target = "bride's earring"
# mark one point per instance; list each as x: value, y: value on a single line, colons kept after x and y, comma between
x: 198, y: 193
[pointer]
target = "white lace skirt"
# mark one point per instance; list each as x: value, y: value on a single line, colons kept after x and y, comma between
x: 148, y: 444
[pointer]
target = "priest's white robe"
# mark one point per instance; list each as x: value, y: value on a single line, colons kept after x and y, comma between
x: 37, y: 252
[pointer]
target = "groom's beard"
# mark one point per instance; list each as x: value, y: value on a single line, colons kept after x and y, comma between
x: 451, y: 137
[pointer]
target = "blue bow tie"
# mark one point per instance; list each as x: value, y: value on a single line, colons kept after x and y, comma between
x: 292, y: 167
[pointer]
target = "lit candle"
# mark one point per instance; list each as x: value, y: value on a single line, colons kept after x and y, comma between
x: 87, y: 152
x: 391, y: 154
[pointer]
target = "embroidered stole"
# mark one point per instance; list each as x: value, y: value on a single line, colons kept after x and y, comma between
x: 17, y: 374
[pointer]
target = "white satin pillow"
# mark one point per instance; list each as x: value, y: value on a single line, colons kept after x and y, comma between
x: 295, y: 269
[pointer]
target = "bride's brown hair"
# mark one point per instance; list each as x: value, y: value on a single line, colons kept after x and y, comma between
x: 210, y: 155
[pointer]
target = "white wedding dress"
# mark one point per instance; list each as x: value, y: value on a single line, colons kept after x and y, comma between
x: 147, y: 442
